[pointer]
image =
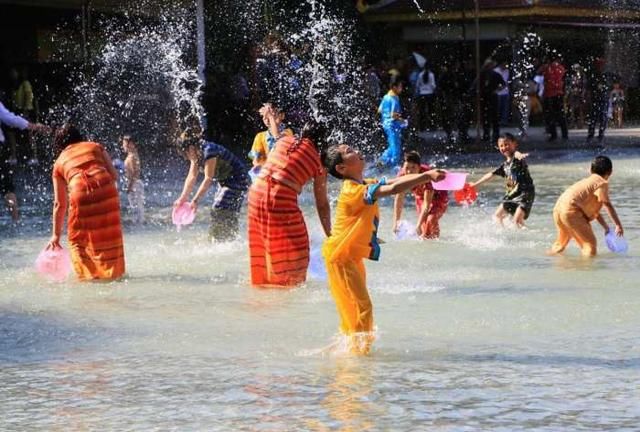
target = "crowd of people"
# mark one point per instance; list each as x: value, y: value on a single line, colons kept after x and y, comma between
x: 443, y: 96
x: 284, y: 161
x: 293, y: 150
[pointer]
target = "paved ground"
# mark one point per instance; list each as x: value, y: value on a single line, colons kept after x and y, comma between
x: 535, y: 141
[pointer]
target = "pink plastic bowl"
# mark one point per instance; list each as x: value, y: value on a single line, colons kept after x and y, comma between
x: 453, y: 181
x: 183, y: 215
x: 54, y: 264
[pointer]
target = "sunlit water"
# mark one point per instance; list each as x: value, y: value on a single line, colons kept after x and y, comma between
x: 477, y: 331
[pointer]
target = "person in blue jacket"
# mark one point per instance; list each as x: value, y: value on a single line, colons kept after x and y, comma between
x: 392, y: 122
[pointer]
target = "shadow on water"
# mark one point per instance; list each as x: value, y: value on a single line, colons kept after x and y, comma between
x: 26, y: 337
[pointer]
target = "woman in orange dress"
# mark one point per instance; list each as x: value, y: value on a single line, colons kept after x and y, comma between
x: 84, y: 172
x: 278, y: 238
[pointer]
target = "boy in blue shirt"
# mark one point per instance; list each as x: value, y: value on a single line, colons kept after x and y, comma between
x: 392, y: 122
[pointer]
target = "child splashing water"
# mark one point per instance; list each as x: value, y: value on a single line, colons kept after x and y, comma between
x: 264, y: 141
x: 520, y: 191
x: 354, y: 237
x: 580, y: 204
x: 135, y: 187
x: 430, y: 204
x: 231, y: 174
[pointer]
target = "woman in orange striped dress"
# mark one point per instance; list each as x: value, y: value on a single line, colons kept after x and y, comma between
x: 84, y: 171
x: 278, y: 239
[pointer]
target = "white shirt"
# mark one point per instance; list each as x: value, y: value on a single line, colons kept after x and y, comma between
x: 10, y: 119
x: 426, y: 87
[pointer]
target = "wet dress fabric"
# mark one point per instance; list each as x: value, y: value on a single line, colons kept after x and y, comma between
x: 278, y: 238
x: 353, y: 238
x: 93, y: 226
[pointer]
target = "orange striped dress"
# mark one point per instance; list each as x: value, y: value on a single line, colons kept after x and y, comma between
x: 93, y: 226
x: 278, y: 239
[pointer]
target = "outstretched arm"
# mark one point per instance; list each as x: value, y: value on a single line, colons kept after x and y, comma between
x: 209, y: 174
x: 323, y: 207
x: 408, y: 182
x: 614, y: 217
x: 189, y: 182
x: 485, y: 178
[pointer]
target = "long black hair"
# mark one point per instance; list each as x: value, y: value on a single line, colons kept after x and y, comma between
x: 315, y: 132
x: 66, y: 135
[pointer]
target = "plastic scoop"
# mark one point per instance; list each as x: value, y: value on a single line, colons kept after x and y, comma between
x: 405, y: 231
x: 453, y: 181
x: 616, y: 244
x: 467, y: 195
x: 55, y: 264
x: 183, y: 215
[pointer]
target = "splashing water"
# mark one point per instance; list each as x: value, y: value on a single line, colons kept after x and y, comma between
x: 144, y: 81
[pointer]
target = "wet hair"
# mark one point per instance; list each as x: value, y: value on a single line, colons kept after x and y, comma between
x: 185, y: 141
x: 602, y: 166
x: 276, y: 106
x: 509, y: 137
x: 313, y: 131
x: 412, y: 157
x: 129, y: 137
x: 332, y: 158
x: 66, y: 135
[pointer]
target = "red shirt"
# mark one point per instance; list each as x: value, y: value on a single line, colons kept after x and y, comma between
x: 553, y: 79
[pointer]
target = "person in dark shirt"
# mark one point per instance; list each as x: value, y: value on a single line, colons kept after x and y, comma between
x: 520, y: 191
x: 599, y: 84
x: 491, y: 83
x: 232, y: 175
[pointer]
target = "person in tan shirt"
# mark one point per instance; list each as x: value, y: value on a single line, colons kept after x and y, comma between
x: 580, y: 204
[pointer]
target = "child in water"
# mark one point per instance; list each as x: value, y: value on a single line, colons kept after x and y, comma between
x: 354, y: 237
x: 520, y: 191
x: 580, y: 204
x: 135, y: 187
x: 392, y: 122
x: 233, y: 179
x: 264, y: 141
x: 430, y: 204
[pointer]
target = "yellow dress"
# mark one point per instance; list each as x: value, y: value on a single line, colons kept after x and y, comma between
x: 574, y: 211
x: 353, y: 238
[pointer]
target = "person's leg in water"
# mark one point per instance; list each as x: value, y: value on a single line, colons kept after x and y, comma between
x: 519, y: 216
x: 574, y: 225
x: 562, y: 238
x: 392, y: 156
x: 347, y: 282
x: 224, y: 214
x: 500, y: 214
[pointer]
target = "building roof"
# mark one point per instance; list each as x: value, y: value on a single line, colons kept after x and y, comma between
x: 540, y: 10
